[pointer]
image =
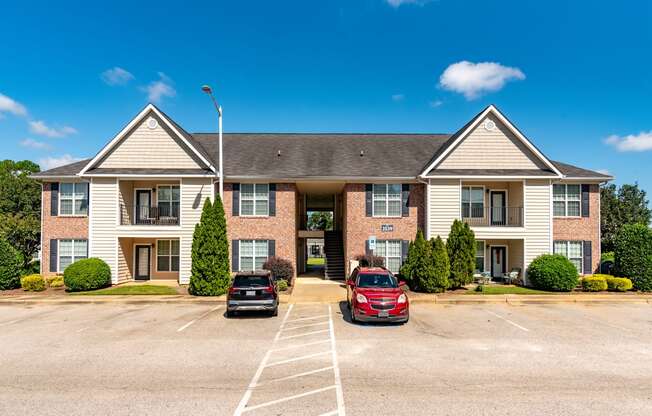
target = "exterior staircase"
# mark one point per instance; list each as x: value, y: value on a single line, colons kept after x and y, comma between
x: 334, y: 254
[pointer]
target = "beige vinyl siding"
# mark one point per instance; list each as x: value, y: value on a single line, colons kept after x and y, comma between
x: 194, y: 192
x: 497, y: 149
x: 124, y: 260
x: 148, y: 148
x: 103, y: 218
x: 443, y: 206
x: 538, y: 222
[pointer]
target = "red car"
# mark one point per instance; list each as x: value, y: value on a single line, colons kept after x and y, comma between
x: 375, y: 295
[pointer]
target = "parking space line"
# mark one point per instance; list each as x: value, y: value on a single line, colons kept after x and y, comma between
x: 308, y: 318
x: 198, y: 319
x: 336, y: 368
x: 303, y: 335
x: 305, y: 326
x: 333, y: 413
x: 306, y: 373
x: 285, y: 399
x: 522, y: 328
x: 301, y: 345
x: 291, y: 360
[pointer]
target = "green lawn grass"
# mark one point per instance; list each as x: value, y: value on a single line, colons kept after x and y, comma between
x: 133, y: 290
x: 315, y: 261
x: 507, y: 290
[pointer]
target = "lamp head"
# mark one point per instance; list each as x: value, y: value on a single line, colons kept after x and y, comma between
x: 207, y: 89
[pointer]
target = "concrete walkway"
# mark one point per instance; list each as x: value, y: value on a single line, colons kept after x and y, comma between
x: 317, y: 290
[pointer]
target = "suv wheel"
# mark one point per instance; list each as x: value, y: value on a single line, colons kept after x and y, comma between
x: 274, y: 312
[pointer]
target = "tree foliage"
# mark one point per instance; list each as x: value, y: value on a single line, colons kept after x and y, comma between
x: 9, y: 266
x: 633, y: 255
x: 20, y: 207
x: 461, y: 252
x: 320, y: 220
x: 619, y: 207
x: 210, y: 270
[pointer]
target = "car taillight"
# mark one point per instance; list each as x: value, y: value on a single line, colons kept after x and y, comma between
x: 269, y: 289
x: 234, y: 290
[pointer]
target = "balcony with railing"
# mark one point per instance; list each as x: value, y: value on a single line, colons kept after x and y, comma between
x: 480, y: 216
x: 163, y: 214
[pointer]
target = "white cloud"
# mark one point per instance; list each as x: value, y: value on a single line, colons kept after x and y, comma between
x: 35, y: 144
x: 53, y: 162
x: 399, y: 3
x: 632, y: 143
x: 39, y: 127
x: 435, y: 103
x: 476, y: 79
x: 398, y: 97
x: 9, y: 105
x: 116, y: 76
x: 156, y: 90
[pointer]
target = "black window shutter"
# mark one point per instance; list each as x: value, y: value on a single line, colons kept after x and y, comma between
x: 585, y: 200
x: 54, y: 199
x: 54, y: 249
x: 405, y: 198
x: 235, y: 255
x: 368, y: 190
x: 236, y: 200
x: 405, y: 246
x: 588, y: 258
x: 272, y: 199
x: 271, y: 248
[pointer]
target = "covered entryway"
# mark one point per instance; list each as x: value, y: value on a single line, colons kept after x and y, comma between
x: 146, y: 258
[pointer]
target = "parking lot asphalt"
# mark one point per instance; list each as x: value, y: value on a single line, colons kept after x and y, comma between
x: 311, y: 360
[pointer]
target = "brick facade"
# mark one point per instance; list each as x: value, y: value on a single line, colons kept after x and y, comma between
x: 56, y: 228
x: 585, y: 228
x: 358, y: 227
x: 282, y: 227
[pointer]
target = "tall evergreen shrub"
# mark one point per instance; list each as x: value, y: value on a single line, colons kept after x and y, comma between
x: 441, y: 265
x: 461, y: 251
x: 9, y: 266
x: 633, y: 255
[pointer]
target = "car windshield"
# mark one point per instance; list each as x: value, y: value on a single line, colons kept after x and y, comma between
x: 383, y: 280
x: 248, y: 281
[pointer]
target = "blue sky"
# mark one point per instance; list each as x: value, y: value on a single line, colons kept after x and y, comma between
x: 574, y: 76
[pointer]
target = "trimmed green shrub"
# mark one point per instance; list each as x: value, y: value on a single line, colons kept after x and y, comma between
x: 54, y: 281
x: 618, y: 284
x: 281, y: 269
x: 32, y: 283
x: 9, y: 266
x: 282, y: 285
x: 210, y: 272
x: 413, y: 254
x: 87, y: 274
x: 461, y: 252
x: 633, y: 255
x: 595, y: 283
x: 553, y: 272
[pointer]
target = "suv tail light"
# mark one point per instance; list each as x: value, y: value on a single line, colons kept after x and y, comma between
x: 234, y: 290
x: 268, y: 289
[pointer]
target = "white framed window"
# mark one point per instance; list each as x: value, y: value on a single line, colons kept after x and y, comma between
x: 473, y: 202
x: 167, y: 255
x: 168, y: 200
x: 566, y: 200
x: 390, y: 250
x: 254, y: 199
x: 253, y: 254
x: 387, y: 200
x: 69, y: 251
x: 479, y: 255
x: 572, y: 250
x: 73, y: 198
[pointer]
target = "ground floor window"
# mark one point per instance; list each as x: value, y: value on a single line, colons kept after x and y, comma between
x: 390, y: 250
x: 479, y: 255
x: 167, y: 255
x: 572, y: 250
x: 70, y: 251
x: 253, y: 254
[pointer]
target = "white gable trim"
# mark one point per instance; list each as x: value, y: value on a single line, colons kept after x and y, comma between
x: 134, y: 122
x: 493, y: 110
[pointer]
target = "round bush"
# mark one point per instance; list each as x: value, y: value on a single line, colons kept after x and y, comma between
x: 33, y: 283
x: 9, y: 266
x: 87, y: 274
x: 280, y: 268
x: 553, y: 272
x: 54, y: 281
x: 595, y: 283
x: 618, y: 284
x: 282, y: 285
x: 633, y: 255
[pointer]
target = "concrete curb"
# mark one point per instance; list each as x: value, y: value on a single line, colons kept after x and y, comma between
x: 530, y: 299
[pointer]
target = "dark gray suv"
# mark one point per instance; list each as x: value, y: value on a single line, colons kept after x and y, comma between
x: 252, y: 291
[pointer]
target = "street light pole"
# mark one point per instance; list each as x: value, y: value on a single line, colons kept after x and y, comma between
x: 207, y: 89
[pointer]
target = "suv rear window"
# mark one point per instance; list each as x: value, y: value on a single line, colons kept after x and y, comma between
x: 249, y: 281
x: 376, y: 280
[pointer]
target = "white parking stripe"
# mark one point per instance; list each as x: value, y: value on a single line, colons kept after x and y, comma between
x: 305, y: 326
x: 303, y: 335
x: 285, y: 399
x: 336, y: 368
x: 308, y: 318
x: 301, y: 345
x: 333, y: 413
x: 306, y: 373
x: 198, y: 319
x: 303, y: 357
x: 509, y: 322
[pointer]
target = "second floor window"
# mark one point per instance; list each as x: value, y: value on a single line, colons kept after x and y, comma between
x: 254, y: 199
x: 472, y: 202
x: 387, y: 200
x: 73, y: 198
x: 169, y: 197
x: 566, y: 200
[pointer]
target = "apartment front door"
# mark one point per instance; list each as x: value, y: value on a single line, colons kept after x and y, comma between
x: 143, y: 260
x: 498, y: 261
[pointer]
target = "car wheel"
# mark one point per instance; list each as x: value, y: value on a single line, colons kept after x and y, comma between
x: 230, y: 314
x: 353, y: 320
x: 275, y: 312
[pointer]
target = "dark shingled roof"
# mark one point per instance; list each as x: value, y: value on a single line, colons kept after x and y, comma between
x: 492, y: 172
x: 575, y: 172
x: 65, y: 170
